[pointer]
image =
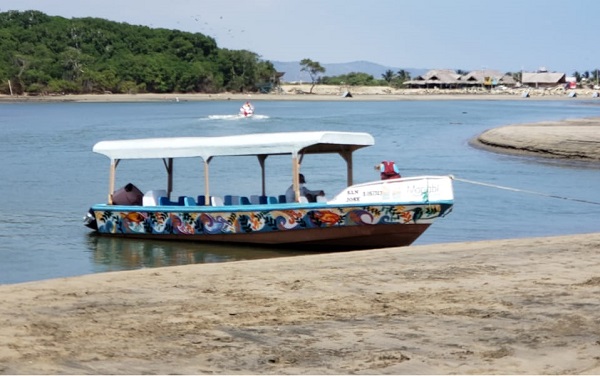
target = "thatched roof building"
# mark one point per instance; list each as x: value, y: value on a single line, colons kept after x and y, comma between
x: 440, y: 78
x: 487, y: 78
x: 543, y: 79
x: 449, y: 79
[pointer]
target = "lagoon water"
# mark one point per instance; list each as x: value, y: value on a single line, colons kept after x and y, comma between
x: 50, y: 176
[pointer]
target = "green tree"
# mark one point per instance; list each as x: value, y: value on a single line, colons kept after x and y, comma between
x: 313, y: 68
x: 403, y: 75
x: 41, y: 53
x: 241, y: 70
x: 400, y: 77
x: 388, y: 76
x: 353, y: 79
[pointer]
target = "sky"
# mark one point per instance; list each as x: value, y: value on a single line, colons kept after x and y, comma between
x: 505, y: 35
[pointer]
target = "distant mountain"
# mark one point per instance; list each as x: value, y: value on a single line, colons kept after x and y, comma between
x: 293, y: 73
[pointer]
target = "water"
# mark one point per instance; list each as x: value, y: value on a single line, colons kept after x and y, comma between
x: 51, y: 176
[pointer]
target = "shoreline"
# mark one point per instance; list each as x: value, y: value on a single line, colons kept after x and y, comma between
x: 320, y: 93
x: 519, y: 306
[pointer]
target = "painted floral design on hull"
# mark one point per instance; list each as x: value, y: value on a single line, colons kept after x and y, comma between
x: 236, y: 222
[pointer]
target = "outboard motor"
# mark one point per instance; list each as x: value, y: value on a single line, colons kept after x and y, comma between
x: 90, y: 221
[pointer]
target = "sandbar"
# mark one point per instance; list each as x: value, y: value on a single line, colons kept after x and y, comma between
x: 564, y: 140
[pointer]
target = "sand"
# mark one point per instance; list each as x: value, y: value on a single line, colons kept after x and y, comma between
x: 521, y: 306
x: 569, y: 139
x: 302, y: 92
x: 506, y: 306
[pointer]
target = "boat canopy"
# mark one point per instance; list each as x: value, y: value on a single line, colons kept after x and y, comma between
x: 261, y: 145
x: 250, y: 144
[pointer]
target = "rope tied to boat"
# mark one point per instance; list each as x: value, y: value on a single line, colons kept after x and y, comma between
x: 524, y: 191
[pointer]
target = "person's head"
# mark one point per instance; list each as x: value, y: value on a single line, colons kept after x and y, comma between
x: 301, y: 178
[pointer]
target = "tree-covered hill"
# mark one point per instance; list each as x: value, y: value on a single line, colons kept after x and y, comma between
x: 41, y: 54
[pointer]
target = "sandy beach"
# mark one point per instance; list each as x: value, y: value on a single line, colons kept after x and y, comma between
x: 302, y: 92
x: 526, y: 306
x: 520, y: 306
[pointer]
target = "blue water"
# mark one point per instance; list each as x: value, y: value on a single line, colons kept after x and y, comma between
x: 50, y: 176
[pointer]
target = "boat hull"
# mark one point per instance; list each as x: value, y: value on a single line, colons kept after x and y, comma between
x: 310, y: 226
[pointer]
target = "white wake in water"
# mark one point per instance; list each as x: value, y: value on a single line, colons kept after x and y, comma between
x: 235, y: 117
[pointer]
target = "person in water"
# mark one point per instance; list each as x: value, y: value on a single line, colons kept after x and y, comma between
x: 388, y: 170
x: 247, y: 109
x: 310, y: 195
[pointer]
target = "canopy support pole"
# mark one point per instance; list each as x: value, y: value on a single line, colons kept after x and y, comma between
x: 261, y: 160
x: 111, y: 179
x: 169, y: 167
x: 206, y: 185
x: 347, y: 155
x: 295, y: 176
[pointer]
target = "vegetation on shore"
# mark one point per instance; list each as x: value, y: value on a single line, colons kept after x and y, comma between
x: 41, y: 54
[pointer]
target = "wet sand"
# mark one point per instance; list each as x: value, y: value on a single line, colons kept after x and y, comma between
x: 522, y: 306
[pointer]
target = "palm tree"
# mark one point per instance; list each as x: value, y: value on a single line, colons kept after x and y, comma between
x: 388, y: 76
x: 403, y: 75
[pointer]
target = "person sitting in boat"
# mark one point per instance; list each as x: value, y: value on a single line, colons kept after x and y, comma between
x: 310, y: 195
x: 247, y: 109
x: 388, y: 170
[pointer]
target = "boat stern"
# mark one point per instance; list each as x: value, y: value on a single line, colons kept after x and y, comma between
x: 89, y: 220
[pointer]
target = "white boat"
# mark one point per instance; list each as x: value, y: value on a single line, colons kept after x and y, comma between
x: 376, y: 214
x: 247, y: 110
